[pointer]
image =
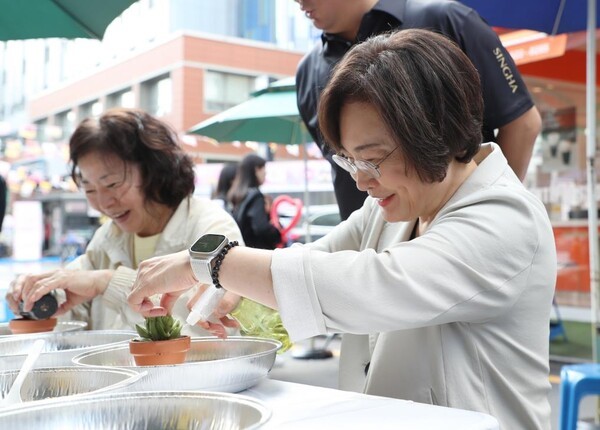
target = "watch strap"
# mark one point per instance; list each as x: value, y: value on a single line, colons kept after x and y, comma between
x: 202, y: 270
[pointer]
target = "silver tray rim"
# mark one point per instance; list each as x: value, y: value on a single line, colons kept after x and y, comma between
x: 66, y: 327
x: 121, y: 370
x: 124, y: 345
x: 50, y: 334
x: 51, y: 405
x: 132, y: 377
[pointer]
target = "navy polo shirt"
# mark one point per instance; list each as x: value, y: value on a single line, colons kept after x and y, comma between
x: 504, y: 93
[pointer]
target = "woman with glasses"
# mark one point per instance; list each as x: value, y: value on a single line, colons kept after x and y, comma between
x: 443, y: 280
x: 132, y: 170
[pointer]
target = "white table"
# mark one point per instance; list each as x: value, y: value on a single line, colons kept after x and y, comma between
x: 299, y: 406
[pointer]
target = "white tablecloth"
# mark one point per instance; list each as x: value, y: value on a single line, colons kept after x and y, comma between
x: 299, y: 406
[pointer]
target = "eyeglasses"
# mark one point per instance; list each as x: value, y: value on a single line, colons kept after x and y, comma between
x: 353, y: 167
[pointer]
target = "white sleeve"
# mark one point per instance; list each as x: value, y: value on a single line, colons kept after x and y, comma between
x: 466, y: 267
x: 86, y: 261
x: 115, y: 295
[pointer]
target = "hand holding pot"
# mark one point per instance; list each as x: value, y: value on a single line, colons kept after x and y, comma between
x: 79, y: 287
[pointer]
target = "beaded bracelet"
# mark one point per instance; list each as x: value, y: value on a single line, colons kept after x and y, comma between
x: 219, y: 259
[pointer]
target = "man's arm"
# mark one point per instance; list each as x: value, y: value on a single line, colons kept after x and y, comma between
x: 517, y: 138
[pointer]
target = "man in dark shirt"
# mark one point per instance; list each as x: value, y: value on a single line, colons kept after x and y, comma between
x: 508, y: 105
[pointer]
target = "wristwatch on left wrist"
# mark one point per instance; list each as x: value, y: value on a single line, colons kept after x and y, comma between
x: 203, y: 253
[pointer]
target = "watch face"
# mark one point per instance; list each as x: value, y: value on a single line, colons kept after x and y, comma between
x: 208, y: 243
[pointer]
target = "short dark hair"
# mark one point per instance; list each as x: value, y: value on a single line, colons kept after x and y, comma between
x: 138, y: 138
x: 426, y: 91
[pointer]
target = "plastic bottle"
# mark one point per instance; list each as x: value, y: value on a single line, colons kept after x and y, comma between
x: 42, y: 309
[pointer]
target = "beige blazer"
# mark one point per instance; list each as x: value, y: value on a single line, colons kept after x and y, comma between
x: 457, y: 317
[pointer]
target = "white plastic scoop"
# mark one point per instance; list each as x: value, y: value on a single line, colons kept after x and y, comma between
x: 14, y: 395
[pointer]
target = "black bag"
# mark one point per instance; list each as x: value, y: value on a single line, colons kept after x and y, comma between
x: 240, y: 212
x: 256, y: 228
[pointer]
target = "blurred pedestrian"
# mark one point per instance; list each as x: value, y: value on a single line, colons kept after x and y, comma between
x: 224, y: 183
x: 250, y: 208
x: 508, y: 105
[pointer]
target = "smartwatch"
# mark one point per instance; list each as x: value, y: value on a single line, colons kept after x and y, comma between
x: 202, y: 254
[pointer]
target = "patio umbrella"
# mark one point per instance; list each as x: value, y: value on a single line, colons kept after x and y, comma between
x: 549, y: 16
x: 553, y: 17
x: 33, y: 19
x: 271, y: 115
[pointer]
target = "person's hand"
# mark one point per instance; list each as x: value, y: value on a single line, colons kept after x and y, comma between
x: 13, y: 294
x: 170, y: 276
x: 227, y: 304
x: 79, y: 286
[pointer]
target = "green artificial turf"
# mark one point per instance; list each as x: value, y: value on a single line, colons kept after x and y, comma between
x: 578, y: 343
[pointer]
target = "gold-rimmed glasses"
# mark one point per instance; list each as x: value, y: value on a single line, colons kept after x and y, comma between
x: 367, y: 167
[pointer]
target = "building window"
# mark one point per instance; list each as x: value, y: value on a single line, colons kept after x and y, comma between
x: 41, y: 126
x: 123, y: 98
x: 225, y: 90
x: 65, y: 121
x: 46, y: 66
x: 157, y: 96
x: 257, y: 20
x: 97, y: 109
x: 91, y: 109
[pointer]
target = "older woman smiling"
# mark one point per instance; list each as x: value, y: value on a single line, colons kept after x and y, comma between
x: 132, y: 169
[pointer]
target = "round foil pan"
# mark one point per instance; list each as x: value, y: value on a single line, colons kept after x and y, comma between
x: 231, y: 365
x: 60, y: 348
x: 140, y: 410
x: 70, y: 381
x: 61, y: 327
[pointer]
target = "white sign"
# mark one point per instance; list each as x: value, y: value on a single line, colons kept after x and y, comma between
x: 28, y: 236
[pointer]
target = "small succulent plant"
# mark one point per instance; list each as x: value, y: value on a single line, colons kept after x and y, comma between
x: 160, y: 328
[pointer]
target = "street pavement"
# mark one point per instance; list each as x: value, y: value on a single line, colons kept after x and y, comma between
x: 320, y: 372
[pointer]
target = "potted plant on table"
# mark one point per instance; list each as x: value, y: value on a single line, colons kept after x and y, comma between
x: 160, y: 342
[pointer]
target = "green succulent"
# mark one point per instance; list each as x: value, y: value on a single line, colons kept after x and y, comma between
x: 160, y: 328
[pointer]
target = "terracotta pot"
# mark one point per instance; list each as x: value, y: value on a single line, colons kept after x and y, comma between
x: 156, y: 353
x: 24, y: 325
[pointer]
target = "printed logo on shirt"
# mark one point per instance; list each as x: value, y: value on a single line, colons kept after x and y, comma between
x: 506, y: 70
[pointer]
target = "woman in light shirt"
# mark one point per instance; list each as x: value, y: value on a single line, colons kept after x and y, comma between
x: 133, y: 170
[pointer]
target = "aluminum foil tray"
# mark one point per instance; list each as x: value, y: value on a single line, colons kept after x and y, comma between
x: 60, y: 348
x: 140, y: 410
x: 71, y: 381
x: 61, y: 327
x: 212, y: 364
